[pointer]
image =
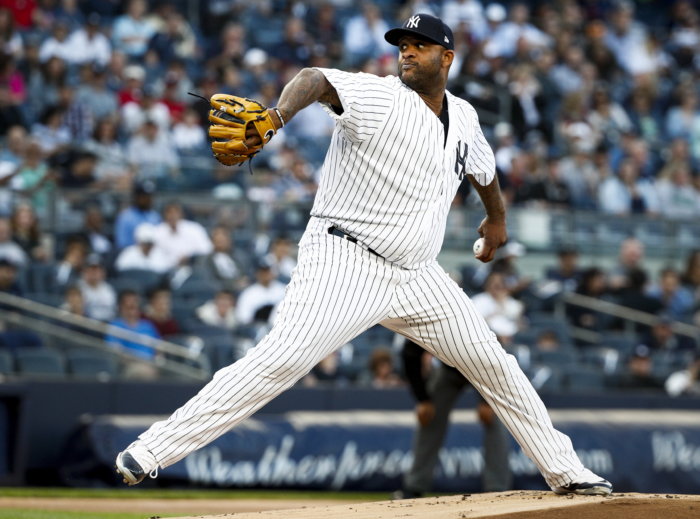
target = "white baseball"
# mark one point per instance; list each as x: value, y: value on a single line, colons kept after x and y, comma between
x: 478, y: 246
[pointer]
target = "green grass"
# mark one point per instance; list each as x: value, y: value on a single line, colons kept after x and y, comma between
x: 19, y: 513
x: 147, y: 493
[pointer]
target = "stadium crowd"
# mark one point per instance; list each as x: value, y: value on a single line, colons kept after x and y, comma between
x: 597, y: 110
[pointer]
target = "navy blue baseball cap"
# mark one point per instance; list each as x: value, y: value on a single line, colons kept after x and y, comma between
x: 425, y: 26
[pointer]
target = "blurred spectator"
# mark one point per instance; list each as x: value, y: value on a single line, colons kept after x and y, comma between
x: 516, y: 35
x: 10, y: 39
x: 678, y: 198
x: 58, y: 44
x: 52, y: 133
x: 95, y: 232
x: 231, y: 49
x: 547, y: 340
x: 327, y: 371
x: 593, y: 285
x: 626, y: 193
x: 131, y: 31
x: 13, y: 93
x: 257, y: 302
x: 113, y: 168
x: 9, y: 249
x: 295, y: 49
x: 159, y: 312
x: 547, y: 189
x: 131, y: 89
x: 153, y: 153
x: 382, y: 373
x: 686, y: 381
x: 188, y: 134
x: 565, y: 276
x: 280, y: 258
x: 505, y: 263
x: 631, y: 256
x: 8, y: 278
x: 76, y: 114
x: 682, y: 120
x: 326, y: 32
x: 638, y: 371
x: 144, y: 254
x: 578, y: 170
x: 364, y: 35
x: 75, y: 168
x: 129, y: 318
x: 69, y: 268
x: 691, y: 274
x: 634, y: 294
x: 73, y: 301
x: 220, y: 311
x: 145, y: 107
x: 26, y: 232
x: 628, y: 40
x: 221, y: 263
x: 661, y: 338
x: 468, y: 14
x: 140, y: 211
x: 179, y: 238
x: 296, y: 182
x: 94, y: 94
x: 677, y: 300
x: 88, y: 44
x: 607, y: 118
x: 100, y: 297
x: 174, y: 39
x: 501, y: 311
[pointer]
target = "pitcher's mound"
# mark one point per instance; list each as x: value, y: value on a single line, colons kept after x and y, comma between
x: 501, y: 505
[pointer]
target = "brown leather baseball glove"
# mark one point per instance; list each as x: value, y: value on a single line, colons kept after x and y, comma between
x: 233, y: 121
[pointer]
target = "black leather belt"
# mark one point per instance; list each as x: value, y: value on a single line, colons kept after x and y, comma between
x: 337, y: 232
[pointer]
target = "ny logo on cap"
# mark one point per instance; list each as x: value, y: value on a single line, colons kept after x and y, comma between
x: 412, y: 22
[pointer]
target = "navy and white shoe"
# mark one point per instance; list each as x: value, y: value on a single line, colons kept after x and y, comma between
x: 586, y: 484
x: 135, y: 463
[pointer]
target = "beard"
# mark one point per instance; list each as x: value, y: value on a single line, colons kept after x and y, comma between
x: 421, y: 77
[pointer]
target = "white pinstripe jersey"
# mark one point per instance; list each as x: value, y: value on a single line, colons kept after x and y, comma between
x: 389, y: 177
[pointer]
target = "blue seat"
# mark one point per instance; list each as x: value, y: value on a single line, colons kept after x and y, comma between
x: 6, y: 363
x: 40, y: 362
x: 91, y: 364
x: 582, y: 379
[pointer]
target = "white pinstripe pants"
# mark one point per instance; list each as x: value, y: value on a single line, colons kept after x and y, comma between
x: 337, y: 291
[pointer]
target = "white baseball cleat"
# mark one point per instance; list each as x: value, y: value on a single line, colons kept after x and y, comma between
x: 586, y: 484
x: 135, y: 463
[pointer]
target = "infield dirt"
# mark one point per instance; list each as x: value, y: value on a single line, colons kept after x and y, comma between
x: 502, y: 505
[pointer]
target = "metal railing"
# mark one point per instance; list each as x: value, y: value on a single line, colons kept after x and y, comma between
x: 90, y: 333
x: 630, y: 317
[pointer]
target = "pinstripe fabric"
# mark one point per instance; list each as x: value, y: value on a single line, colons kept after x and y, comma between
x: 389, y: 177
x: 337, y: 291
x: 432, y: 310
x: 388, y: 180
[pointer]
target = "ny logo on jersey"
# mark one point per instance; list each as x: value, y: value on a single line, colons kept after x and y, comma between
x: 412, y: 22
x: 461, y: 160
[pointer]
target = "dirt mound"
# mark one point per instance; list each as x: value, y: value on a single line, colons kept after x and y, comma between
x: 511, y: 505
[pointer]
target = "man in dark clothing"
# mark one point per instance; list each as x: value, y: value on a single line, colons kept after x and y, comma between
x: 436, y: 395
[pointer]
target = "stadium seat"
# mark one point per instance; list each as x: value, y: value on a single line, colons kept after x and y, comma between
x: 563, y: 357
x: 40, y: 362
x: 580, y: 379
x: 145, y: 279
x: 6, y: 364
x: 91, y: 364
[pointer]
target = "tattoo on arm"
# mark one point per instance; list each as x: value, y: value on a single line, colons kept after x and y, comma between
x: 491, y: 197
x: 307, y: 86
